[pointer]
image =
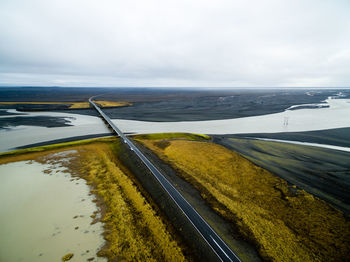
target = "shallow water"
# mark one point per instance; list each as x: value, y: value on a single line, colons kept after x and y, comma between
x: 21, y: 135
x: 334, y: 116
x: 37, y: 213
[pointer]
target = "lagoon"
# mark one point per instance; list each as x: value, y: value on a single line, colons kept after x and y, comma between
x: 45, y: 214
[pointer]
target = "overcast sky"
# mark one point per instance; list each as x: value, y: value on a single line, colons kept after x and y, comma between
x: 179, y: 43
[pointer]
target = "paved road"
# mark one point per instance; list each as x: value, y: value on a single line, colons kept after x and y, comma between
x: 223, y: 252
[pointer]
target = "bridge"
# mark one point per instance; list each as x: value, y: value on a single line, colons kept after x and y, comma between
x: 223, y: 252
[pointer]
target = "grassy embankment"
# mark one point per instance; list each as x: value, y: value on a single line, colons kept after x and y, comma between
x: 284, y: 223
x: 320, y: 171
x: 72, y: 105
x: 133, y: 229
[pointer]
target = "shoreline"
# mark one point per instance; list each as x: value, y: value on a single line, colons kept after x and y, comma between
x: 170, y: 138
x: 168, y: 243
x: 270, y: 212
x: 75, y: 231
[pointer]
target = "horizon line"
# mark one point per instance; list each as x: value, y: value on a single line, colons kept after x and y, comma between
x: 169, y: 87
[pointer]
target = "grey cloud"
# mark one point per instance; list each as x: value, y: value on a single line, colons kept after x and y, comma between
x: 175, y: 43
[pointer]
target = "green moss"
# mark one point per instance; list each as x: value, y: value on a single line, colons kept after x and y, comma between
x: 116, y: 146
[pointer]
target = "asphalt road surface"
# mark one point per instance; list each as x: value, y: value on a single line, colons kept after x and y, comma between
x: 223, y: 252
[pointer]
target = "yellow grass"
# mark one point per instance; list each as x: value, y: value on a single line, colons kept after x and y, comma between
x: 284, y: 226
x: 113, y: 103
x: 172, y: 136
x: 133, y: 229
x: 73, y: 105
x: 21, y: 153
x: 137, y: 233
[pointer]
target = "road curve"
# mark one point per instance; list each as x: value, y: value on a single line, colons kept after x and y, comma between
x: 223, y: 252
